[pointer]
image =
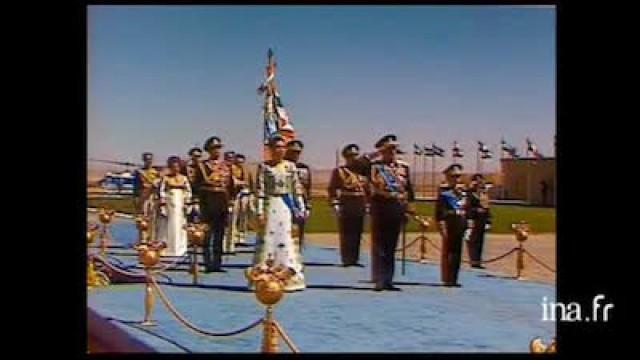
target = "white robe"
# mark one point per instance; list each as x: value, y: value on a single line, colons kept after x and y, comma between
x: 171, y: 227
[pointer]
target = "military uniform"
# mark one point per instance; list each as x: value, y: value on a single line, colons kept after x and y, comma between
x: 480, y: 216
x: 451, y: 215
x: 243, y: 183
x: 214, y: 185
x: 191, y: 166
x: 392, y: 192
x: 304, y: 176
x: 348, y: 193
x: 146, y: 183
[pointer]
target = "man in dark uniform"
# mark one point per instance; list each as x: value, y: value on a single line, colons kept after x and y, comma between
x: 214, y: 185
x: 480, y: 218
x: 294, y: 150
x: 192, y: 165
x: 392, y: 195
x: 348, y: 195
x: 451, y: 216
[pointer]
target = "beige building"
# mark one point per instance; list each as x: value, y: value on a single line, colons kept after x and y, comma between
x: 526, y: 178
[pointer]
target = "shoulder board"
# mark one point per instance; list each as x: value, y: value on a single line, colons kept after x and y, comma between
x: 402, y: 162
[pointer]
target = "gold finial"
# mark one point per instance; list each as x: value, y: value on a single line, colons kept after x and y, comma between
x: 92, y: 232
x: 196, y: 233
x: 149, y: 253
x: 521, y: 230
x: 536, y: 346
x: 106, y: 215
x: 142, y: 223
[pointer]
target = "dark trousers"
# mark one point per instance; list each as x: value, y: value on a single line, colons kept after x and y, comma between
x: 452, y: 249
x: 301, y: 235
x: 351, y: 224
x: 476, y: 243
x: 387, y: 216
x: 214, y: 208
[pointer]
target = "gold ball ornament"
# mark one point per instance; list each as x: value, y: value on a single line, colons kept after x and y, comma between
x: 92, y: 232
x: 142, y: 223
x: 269, y: 292
x: 149, y: 255
x: 106, y: 215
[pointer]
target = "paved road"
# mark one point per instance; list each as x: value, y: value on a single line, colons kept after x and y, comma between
x: 338, y: 312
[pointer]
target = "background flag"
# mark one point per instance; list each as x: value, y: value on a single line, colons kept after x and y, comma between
x: 456, y: 150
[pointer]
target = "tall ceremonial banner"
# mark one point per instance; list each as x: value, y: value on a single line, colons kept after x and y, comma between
x: 275, y: 116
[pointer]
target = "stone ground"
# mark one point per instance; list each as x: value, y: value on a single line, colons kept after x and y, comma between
x: 338, y: 312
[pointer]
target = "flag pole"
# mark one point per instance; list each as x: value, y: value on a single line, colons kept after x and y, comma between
x: 433, y: 175
x: 424, y: 176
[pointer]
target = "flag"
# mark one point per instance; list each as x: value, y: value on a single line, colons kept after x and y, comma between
x: 532, y: 149
x: 456, y: 151
x: 511, y: 151
x: 417, y: 150
x: 482, y: 148
x: 276, y: 118
x: 427, y: 151
x: 437, y: 151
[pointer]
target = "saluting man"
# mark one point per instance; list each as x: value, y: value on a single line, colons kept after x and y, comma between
x: 451, y: 216
x: 294, y: 150
x: 348, y: 195
x: 480, y: 217
x: 214, y: 185
x: 392, y: 197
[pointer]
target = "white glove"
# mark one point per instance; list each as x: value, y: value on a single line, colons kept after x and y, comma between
x: 487, y: 226
x: 467, y: 235
x: 163, y: 211
x: 336, y: 209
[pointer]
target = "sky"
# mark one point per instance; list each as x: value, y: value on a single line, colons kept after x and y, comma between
x: 165, y: 78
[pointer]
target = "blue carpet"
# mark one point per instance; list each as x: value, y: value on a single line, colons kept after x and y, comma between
x: 338, y: 312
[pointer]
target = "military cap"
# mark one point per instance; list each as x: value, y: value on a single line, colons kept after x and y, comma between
x: 389, y: 139
x: 213, y: 141
x: 275, y: 138
x: 477, y: 176
x: 351, y: 149
x: 295, y: 145
x: 229, y: 154
x: 240, y: 156
x: 454, y: 169
x: 173, y: 159
x: 147, y: 156
x: 194, y: 151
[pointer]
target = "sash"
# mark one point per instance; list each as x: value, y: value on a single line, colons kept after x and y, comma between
x: 390, y: 181
x: 291, y: 204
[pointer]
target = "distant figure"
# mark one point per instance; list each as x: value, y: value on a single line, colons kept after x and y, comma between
x: 480, y: 218
x: 243, y: 184
x: 175, y: 193
x: 544, y: 188
x: 192, y: 165
x: 294, y: 150
x: 348, y: 195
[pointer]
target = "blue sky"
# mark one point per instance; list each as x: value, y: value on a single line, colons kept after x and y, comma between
x: 164, y: 78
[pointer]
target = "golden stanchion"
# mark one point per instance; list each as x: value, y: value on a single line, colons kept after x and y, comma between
x: 423, y: 223
x: 94, y: 278
x: 196, y: 233
x: 536, y: 346
x: 105, y: 216
x: 269, y: 282
x: 521, y: 231
x: 142, y: 223
x: 149, y: 256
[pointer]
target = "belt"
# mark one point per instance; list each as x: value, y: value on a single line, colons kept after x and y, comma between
x: 352, y: 193
x: 213, y: 188
x: 457, y: 212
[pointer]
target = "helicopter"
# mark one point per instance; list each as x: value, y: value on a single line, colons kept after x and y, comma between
x: 121, y: 182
